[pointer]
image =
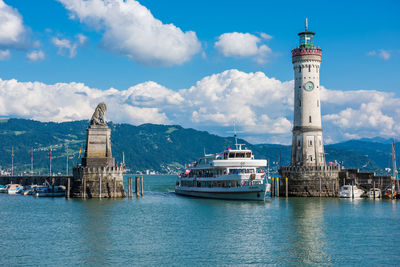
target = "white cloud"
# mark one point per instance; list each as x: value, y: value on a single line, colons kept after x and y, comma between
x: 262, y: 107
x: 13, y: 33
x: 241, y: 45
x: 5, y: 54
x: 130, y: 29
x: 67, y: 47
x: 35, y: 55
x: 382, y: 53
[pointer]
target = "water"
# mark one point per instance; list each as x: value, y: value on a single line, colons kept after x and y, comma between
x: 164, y: 229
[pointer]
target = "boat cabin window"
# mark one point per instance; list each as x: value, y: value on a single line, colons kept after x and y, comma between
x: 239, y: 155
x: 225, y: 155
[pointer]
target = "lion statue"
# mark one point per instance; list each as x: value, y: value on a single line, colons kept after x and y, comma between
x: 98, y: 115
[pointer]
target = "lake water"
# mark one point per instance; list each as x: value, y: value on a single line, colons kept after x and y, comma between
x: 164, y: 229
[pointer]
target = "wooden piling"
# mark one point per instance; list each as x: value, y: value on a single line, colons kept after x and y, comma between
x: 129, y: 187
x: 374, y: 189
x: 287, y: 187
x: 272, y: 186
x: 68, y: 187
x: 137, y: 186
x: 141, y: 185
x: 352, y: 190
x: 277, y: 186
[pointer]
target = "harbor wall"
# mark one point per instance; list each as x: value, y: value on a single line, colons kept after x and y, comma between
x: 33, y: 179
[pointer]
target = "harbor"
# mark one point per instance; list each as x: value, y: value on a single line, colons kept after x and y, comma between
x: 175, y: 230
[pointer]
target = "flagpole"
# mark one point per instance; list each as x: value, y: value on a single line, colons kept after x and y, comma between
x: 31, y: 161
x: 50, y: 160
x: 67, y: 161
x: 12, y: 161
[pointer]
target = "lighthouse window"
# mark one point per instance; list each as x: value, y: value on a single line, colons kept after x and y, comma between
x: 309, y: 68
x: 300, y: 103
x: 309, y: 118
x: 299, y: 69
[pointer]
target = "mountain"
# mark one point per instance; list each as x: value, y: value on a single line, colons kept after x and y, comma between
x: 162, y: 148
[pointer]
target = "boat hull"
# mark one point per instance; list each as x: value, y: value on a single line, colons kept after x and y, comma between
x: 256, y: 195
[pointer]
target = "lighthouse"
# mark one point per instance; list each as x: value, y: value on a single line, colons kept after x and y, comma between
x: 307, y: 142
x: 308, y: 175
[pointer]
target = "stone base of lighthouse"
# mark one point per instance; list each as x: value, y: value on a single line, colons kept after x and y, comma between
x: 98, y: 182
x: 311, y: 181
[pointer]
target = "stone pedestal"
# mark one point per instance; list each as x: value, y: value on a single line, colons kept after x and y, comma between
x: 311, y: 181
x: 101, y: 182
x: 97, y: 176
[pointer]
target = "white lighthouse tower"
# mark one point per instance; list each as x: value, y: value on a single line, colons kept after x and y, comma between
x: 307, y: 143
x: 308, y: 175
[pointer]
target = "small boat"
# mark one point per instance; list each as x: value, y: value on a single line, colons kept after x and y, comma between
x: 350, y: 191
x: 232, y: 174
x: 3, y: 188
x: 378, y: 193
x: 388, y: 194
x: 13, y: 189
x: 48, y: 191
x: 29, y: 189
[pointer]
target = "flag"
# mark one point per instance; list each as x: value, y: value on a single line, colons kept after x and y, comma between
x: 31, y: 155
x: 80, y: 152
x: 50, y: 154
x: 12, y: 152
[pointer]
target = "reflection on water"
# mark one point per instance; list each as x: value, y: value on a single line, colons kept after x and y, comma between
x: 164, y: 229
x: 307, y: 234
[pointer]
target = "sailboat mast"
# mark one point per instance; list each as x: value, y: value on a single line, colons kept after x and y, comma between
x: 394, y: 167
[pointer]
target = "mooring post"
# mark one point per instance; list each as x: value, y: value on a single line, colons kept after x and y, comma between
x: 130, y: 186
x: 137, y: 186
x: 272, y: 186
x: 277, y: 186
x: 320, y: 186
x: 352, y: 190
x: 374, y: 189
x: 52, y: 185
x: 287, y: 187
x: 141, y: 185
x: 68, y: 186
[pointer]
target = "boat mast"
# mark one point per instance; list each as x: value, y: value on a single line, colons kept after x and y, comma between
x: 395, y: 173
x: 394, y: 167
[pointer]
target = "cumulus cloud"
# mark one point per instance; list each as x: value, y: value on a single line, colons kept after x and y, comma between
x: 131, y: 30
x: 13, y: 33
x: 239, y: 45
x: 262, y: 107
x: 35, y: 55
x: 67, y: 47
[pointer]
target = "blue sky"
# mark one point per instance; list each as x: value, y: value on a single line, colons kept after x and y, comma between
x: 361, y: 61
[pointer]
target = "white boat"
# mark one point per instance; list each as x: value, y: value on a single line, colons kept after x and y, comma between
x: 47, y: 191
x: 378, y: 193
x: 232, y: 174
x: 351, y: 191
x: 14, y: 188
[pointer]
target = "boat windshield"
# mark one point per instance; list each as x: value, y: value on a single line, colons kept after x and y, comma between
x: 239, y: 155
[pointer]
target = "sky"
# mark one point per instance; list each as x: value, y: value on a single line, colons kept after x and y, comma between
x: 201, y: 64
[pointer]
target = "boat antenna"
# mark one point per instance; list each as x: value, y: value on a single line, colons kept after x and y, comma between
x: 235, y: 135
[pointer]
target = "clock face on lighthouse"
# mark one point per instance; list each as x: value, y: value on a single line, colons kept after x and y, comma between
x: 308, y: 86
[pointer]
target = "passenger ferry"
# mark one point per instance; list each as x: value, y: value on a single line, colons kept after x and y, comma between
x: 232, y: 174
